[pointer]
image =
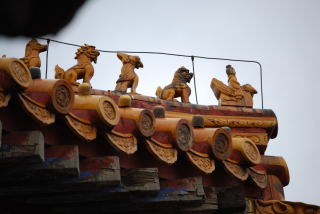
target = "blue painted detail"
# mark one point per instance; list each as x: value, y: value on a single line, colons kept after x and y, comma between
x: 85, y: 173
x: 112, y: 190
x: 165, y: 193
x: 53, y: 159
x: 172, y: 189
x: 6, y: 147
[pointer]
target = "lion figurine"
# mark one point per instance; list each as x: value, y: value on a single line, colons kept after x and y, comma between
x: 33, y: 49
x: 85, y: 55
x: 128, y: 78
x: 178, y: 86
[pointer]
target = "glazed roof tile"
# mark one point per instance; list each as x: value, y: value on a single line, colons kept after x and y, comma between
x: 128, y: 126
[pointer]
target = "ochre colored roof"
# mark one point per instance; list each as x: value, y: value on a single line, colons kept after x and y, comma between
x: 231, y: 138
x: 130, y: 143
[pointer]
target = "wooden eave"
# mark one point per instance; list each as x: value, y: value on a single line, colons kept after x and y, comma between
x: 92, y: 139
x: 125, y: 135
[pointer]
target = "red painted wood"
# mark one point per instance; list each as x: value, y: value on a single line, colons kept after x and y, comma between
x: 40, y: 97
x: 17, y: 138
x: 202, y: 147
x: 127, y: 126
x: 237, y: 157
x: 89, y: 115
x: 163, y: 137
x: 248, y: 130
x: 149, y: 102
x: 6, y: 81
x: 66, y: 152
x: 274, y: 190
x: 97, y: 163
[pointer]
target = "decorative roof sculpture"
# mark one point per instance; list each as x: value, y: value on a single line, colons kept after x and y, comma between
x: 85, y: 55
x: 178, y: 87
x: 70, y: 148
x: 33, y: 49
x: 234, y: 94
x: 128, y: 78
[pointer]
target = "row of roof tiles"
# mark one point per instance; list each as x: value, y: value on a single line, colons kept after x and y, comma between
x: 235, y: 137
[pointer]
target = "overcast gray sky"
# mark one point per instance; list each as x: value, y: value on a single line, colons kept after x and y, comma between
x: 283, y: 35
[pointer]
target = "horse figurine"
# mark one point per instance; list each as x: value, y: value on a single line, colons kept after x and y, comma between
x: 33, y: 48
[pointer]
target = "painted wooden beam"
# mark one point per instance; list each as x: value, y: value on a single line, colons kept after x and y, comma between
x: 95, y: 174
x: 184, y: 190
x: 209, y: 205
x: 141, y: 180
x: 102, y: 171
x: 60, y: 162
x: 135, y: 182
x: 22, y: 147
x: 173, y: 195
x: 231, y: 200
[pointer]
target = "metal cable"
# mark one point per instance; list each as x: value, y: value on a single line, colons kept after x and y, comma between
x: 194, y: 78
x: 174, y: 54
x: 47, y: 56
